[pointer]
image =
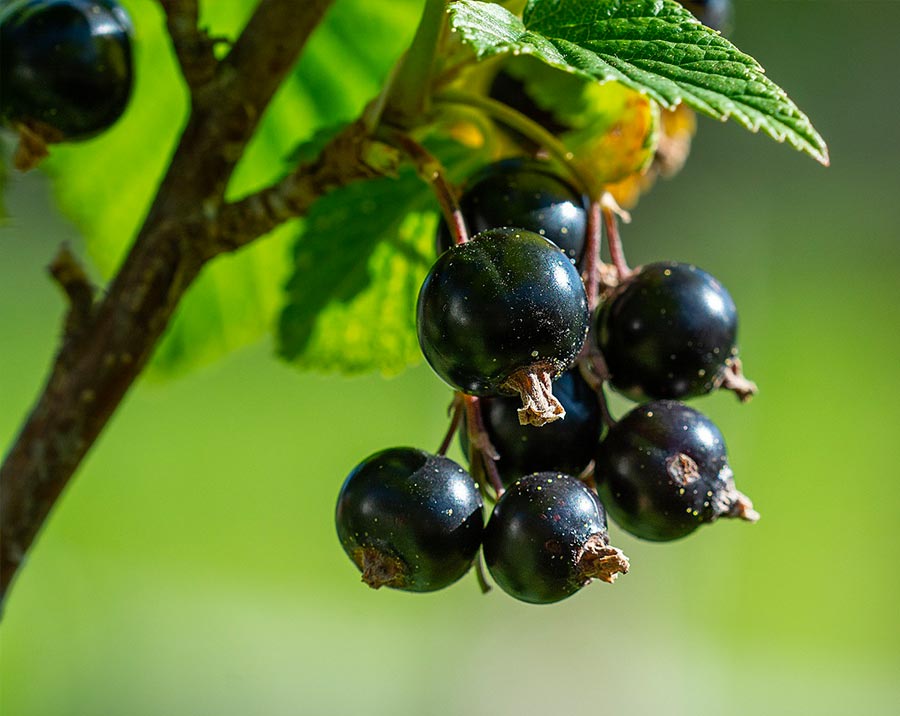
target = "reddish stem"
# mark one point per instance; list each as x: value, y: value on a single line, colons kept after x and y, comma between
x: 614, y: 240
x: 456, y: 409
x: 591, y: 274
x: 480, y: 443
x: 483, y: 583
x: 432, y: 171
x: 587, y: 476
x: 593, y: 370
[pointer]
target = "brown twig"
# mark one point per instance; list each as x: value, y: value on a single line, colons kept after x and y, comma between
x: 194, y: 48
x: 350, y: 156
x: 182, y: 231
x: 68, y: 273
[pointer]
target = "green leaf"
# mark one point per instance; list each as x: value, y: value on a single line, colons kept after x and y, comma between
x: 654, y: 46
x: 106, y: 185
x: 358, y: 265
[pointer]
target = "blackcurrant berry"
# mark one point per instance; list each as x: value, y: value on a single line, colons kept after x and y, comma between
x: 66, y: 66
x: 662, y: 471
x: 668, y: 332
x: 504, y: 313
x: 563, y: 446
x: 528, y: 195
x: 410, y: 520
x: 712, y: 13
x: 547, y: 538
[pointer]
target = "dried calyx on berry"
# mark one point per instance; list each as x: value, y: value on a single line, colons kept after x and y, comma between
x: 547, y: 538
x: 662, y: 471
x: 503, y: 314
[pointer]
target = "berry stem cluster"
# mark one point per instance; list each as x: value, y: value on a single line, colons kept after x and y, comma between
x: 503, y: 317
x: 505, y: 313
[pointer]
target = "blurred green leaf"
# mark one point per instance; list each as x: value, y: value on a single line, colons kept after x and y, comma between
x: 4, y: 176
x: 310, y: 148
x: 358, y: 264
x: 653, y: 46
x: 106, y: 185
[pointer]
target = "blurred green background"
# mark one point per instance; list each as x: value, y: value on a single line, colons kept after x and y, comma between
x: 192, y: 568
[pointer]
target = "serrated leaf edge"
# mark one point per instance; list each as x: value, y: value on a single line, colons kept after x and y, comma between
x: 548, y: 50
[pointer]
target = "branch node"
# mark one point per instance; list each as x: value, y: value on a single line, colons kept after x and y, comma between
x: 194, y: 46
x: 71, y: 277
x: 352, y: 155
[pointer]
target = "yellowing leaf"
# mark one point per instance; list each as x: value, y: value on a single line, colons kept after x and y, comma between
x: 621, y: 138
x: 676, y: 130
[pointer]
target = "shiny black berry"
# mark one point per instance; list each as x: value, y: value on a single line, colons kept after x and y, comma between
x: 410, y: 520
x: 66, y: 66
x: 504, y: 313
x: 547, y: 538
x: 528, y: 195
x: 562, y: 446
x: 712, y: 13
x: 662, y: 471
x: 668, y: 332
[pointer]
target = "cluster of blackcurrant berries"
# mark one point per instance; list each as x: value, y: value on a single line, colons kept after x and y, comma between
x: 504, y: 319
x: 65, y: 70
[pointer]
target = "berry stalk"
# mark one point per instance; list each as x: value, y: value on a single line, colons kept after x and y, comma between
x: 456, y: 411
x: 522, y: 124
x: 480, y: 447
x: 591, y: 273
x: 594, y: 373
x: 431, y: 171
x: 613, y: 238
